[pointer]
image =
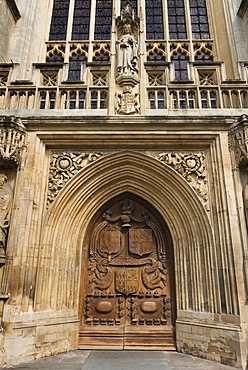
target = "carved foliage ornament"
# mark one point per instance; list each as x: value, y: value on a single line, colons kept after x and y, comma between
x: 64, y: 166
x: 13, y: 139
x: 192, y: 167
x: 238, y: 140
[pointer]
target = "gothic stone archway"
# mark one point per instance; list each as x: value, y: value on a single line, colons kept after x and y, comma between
x: 68, y: 219
x: 127, y: 289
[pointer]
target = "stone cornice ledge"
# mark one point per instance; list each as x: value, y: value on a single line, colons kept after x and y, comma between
x: 243, y: 8
x: 14, y: 9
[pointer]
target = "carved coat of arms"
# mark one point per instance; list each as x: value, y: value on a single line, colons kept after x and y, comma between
x: 140, y: 241
x: 110, y: 241
x: 127, y: 102
x: 126, y: 280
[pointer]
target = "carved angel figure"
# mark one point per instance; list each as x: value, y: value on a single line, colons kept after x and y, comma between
x: 127, y: 52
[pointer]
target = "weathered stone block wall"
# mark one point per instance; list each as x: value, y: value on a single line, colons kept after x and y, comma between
x: 27, y: 341
x: 211, y: 344
x: 7, y: 25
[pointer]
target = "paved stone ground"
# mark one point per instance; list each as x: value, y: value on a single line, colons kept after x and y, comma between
x: 121, y: 360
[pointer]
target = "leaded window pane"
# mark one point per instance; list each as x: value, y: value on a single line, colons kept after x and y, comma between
x: 103, y: 20
x: 59, y: 20
x: 199, y: 19
x: 176, y: 18
x: 81, y: 20
x: 154, y: 20
x: 75, y: 66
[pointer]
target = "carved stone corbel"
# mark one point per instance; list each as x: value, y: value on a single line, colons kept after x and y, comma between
x: 13, y: 139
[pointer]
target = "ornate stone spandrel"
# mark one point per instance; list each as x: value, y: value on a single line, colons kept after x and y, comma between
x: 6, y: 198
x: 192, y: 166
x: 127, y: 102
x: 63, y: 167
x: 13, y: 139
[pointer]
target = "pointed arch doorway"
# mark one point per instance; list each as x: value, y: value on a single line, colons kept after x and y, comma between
x: 127, y: 289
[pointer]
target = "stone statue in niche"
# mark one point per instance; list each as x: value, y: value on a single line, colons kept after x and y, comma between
x: 127, y: 52
x: 6, y: 198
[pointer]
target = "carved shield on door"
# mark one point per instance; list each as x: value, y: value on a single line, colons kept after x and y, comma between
x: 126, y: 280
x: 110, y: 241
x: 140, y: 241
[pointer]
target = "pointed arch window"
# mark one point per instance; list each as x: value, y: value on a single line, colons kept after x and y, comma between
x: 81, y: 20
x: 177, y: 19
x: 59, y: 20
x: 103, y: 20
x: 199, y: 19
x: 154, y: 20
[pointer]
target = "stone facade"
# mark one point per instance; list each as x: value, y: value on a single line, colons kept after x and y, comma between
x: 126, y: 124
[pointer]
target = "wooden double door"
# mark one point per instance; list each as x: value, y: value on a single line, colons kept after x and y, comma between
x: 126, y: 286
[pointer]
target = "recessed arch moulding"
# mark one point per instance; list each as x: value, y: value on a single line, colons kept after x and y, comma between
x: 197, y: 291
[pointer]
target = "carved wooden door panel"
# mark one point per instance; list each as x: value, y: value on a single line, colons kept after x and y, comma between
x: 127, y: 301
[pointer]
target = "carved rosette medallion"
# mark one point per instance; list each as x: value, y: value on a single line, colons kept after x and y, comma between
x: 192, y: 167
x: 64, y: 166
x: 127, y: 269
x: 13, y: 139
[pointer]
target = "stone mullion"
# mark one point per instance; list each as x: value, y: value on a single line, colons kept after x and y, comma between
x: 112, y: 72
x: 70, y: 20
x: 142, y: 54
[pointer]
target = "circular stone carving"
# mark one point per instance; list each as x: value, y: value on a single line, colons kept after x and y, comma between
x: 193, y: 163
x: 104, y: 307
x: 63, y: 163
x: 149, y: 307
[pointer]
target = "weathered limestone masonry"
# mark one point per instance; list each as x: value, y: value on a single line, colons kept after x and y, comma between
x: 123, y: 178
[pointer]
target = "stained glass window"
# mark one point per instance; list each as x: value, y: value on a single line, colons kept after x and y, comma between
x: 75, y: 66
x: 59, y: 20
x: 103, y: 20
x: 180, y: 65
x: 81, y: 20
x: 132, y: 2
x: 154, y: 20
x: 176, y: 18
x: 199, y: 19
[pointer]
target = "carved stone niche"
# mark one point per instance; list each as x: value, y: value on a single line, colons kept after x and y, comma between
x: 13, y: 141
x: 127, y: 26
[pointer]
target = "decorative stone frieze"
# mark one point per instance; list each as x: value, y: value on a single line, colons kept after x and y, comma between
x: 192, y: 167
x: 64, y: 166
x: 238, y: 140
x: 13, y: 139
